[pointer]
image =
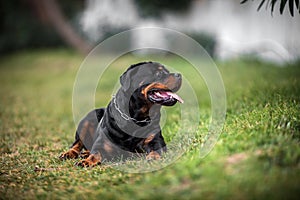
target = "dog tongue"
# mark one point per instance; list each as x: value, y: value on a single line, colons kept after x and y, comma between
x: 175, y: 96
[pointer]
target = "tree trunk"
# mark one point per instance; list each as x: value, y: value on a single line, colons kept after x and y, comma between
x: 49, y: 11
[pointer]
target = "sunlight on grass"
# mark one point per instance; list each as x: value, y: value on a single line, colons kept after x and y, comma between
x: 256, y: 157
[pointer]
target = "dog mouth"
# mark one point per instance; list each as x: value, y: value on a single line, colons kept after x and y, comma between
x: 164, y: 97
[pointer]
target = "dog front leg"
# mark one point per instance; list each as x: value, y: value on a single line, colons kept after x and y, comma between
x: 154, y: 145
x: 91, y: 161
x: 95, y: 156
x: 73, y: 152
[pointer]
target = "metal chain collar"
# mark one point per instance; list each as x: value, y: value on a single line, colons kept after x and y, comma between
x: 126, y: 117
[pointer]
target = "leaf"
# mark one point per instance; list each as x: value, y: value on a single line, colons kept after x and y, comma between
x: 260, y: 5
x: 297, y: 3
x: 273, y: 2
x: 244, y: 1
x: 268, y: 3
x: 282, y: 5
x: 291, y: 6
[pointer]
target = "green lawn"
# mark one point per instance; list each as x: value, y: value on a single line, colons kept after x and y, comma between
x: 256, y: 157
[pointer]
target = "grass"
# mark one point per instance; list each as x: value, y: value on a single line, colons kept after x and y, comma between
x: 256, y: 157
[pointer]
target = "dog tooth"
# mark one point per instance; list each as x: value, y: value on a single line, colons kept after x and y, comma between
x: 158, y: 94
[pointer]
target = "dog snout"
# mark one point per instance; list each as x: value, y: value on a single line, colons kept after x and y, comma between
x: 177, y: 75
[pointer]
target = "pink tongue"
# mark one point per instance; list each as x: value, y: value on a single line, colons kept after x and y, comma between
x: 175, y: 96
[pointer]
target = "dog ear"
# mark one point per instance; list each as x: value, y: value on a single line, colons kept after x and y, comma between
x: 125, y: 80
x: 126, y: 77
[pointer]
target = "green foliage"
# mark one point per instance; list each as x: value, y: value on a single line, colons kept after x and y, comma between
x: 283, y: 3
x: 256, y: 157
x: 207, y: 41
x: 155, y: 8
x: 21, y: 27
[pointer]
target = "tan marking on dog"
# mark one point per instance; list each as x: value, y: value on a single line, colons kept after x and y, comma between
x: 91, y: 161
x: 149, y: 139
x: 153, y: 155
x: 91, y: 128
x: 107, y: 147
x: 85, y: 154
x: 144, y: 109
x: 84, y: 129
x: 170, y: 82
x: 78, y: 146
x: 152, y: 86
x: 73, y: 152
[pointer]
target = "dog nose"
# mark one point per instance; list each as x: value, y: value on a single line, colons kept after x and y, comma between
x: 177, y: 75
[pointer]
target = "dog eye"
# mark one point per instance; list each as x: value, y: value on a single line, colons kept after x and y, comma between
x: 159, y: 73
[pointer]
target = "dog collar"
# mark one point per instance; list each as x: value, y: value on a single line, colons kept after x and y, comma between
x: 126, y: 117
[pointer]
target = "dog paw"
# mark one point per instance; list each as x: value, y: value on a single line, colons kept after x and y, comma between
x: 70, y: 154
x: 92, y: 161
x: 153, y: 155
x: 85, y: 154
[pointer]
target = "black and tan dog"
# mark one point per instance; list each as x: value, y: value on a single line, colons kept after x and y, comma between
x: 130, y: 123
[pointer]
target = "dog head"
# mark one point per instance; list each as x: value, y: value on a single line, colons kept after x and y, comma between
x: 152, y: 82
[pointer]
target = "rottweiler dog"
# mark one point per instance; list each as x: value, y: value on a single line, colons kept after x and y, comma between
x: 129, y: 125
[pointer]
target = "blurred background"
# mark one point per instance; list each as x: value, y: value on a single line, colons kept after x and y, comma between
x: 226, y: 29
x: 43, y: 43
